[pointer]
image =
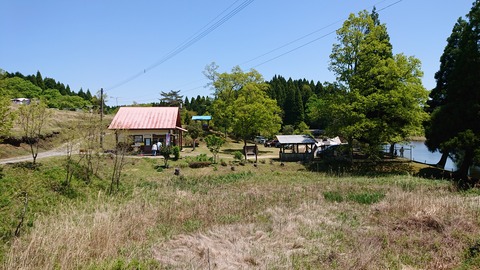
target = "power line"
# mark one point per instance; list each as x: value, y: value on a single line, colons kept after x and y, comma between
x: 190, y: 41
x: 301, y: 38
x: 269, y: 52
x: 309, y: 42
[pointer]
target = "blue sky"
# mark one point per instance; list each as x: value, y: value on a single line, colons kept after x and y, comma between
x: 95, y: 44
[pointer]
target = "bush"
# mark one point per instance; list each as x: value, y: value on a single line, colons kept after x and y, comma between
x: 237, y: 155
x: 202, y: 157
x: 158, y: 168
x: 176, y: 152
x: 199, y: 164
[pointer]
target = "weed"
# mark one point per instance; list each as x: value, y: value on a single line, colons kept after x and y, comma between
x: 366, y: 197
x: 158, y: 168
x: 333, y: 196
x: 192, y: 225
x: 122, y: 263
x: 152, y: 185
x: 361, y: 198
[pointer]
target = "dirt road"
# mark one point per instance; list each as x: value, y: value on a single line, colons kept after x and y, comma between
x: 49, y: 153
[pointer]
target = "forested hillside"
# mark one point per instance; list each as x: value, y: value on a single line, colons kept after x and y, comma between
x: 292, y: 96
x: 55, y: 93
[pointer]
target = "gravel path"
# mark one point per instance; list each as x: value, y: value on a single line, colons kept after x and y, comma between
x: 50, y: 153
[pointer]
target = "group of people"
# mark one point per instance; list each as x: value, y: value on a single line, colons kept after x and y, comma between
x: 156, y: 148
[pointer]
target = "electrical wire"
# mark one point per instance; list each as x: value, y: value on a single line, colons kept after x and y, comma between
x: 189, y: 42
x: 312, y: 41
x: 306, y: 43
x: 194, y: 39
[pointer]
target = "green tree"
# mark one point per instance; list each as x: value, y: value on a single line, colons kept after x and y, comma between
x: 17, y: 87
x: 52, y: 97
x: 50, y: 83
x: 7, y: 116
x: 457, y: 95
x: 435, y: 131
x: 214, y: 143
x: 166, y: 151
x: 172, y: 98
x: 32, y: 120
x: 226, y: 87
x: 39, y: 81
x: 381, y: 98
x: 293, y: 108
x: 194, y: 130
x: 255, y: 113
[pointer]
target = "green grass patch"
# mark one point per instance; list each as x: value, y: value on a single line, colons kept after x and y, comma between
x: 365, y: 197
x: 368, y: 197
x: 333, y: 196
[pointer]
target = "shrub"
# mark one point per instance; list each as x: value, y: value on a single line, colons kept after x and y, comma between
x: 166, y: 151
x: 176, y: 152
x: 238, y: 155
x: 199, y: 164
x: 202, y: 157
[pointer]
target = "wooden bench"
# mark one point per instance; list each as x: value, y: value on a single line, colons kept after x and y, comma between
x: 250, y: 150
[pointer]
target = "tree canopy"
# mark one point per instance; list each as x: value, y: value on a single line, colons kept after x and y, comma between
x: 455, y: 101
x: 172, y: 98
x: 379, y: 98
x: 241, y: 104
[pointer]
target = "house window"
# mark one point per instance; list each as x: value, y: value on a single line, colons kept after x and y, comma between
x: 137, y: 139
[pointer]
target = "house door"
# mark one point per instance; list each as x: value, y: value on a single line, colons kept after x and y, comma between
x: 147, y: 147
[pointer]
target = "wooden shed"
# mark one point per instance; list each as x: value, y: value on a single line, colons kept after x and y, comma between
x: 296, y: 147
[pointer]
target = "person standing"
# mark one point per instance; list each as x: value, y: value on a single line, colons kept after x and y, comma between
x: 154, y: 149
x: 401, y: 151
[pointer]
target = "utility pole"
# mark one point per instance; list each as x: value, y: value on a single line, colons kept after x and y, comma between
x: 101, y: 118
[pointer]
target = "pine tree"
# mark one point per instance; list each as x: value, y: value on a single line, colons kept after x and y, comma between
x: 39, y: 81
x: 458, y: 96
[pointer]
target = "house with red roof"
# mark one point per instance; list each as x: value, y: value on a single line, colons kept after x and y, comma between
x: 145, y: 126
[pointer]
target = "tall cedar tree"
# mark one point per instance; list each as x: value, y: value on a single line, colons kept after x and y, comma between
x: 457, y: 116
x: 437, y: 133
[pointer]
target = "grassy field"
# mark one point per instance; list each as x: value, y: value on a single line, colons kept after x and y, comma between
x: 264, y: 217
x: 267, y: 216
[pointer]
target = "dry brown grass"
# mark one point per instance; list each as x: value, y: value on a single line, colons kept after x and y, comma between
x: 71, y: 238
x: 270, y: 217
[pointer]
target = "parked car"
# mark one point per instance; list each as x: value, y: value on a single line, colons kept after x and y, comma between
x: 272, y: 143
x: 260, y: 140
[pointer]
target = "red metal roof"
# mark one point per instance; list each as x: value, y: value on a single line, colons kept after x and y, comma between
x: 146, y: 118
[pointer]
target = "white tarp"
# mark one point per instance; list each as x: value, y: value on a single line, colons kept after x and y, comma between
x: 329, y: 141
